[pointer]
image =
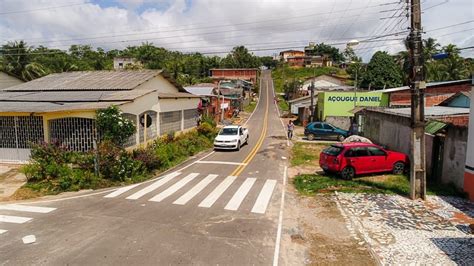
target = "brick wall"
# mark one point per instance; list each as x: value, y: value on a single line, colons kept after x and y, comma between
x: 462, y: 120
x: 433, y: 95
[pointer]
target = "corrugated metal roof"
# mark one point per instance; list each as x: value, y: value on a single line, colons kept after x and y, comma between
x: 433, y: 127
x: 39, y: 107
x: 176, y: 95
x: 432, y: 111
x: 201, y: 91
x: 429, y: 84
x: 88, y: 81
x: 72, y: 96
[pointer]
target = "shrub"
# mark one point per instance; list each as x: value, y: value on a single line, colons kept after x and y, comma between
x: 113, y: 126
x: 147, y: 157
x: 208, y: 119
x: 115, y: 163
x: 207, y: 130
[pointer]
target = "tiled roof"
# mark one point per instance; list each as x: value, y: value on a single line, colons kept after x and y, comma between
x: 176, y: 95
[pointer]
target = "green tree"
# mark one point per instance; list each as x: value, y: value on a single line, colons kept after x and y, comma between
x: 382, y: 72
x: 268, y: 62
x: 324, y: 49
x: 240, y: 58
x: 113, y: 126
x: 17, y: 60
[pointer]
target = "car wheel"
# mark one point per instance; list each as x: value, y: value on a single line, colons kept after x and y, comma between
x: 310, y: 137
x: 398, y: 168
x: 348, y: 173
x: 341, y: 138
x: 247, y: 140
x: 238, y: 146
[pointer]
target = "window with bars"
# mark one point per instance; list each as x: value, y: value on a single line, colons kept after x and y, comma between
x: 75, y: 133
x: 190, y: 118
x: 20, y: 131
x: 170, y: 122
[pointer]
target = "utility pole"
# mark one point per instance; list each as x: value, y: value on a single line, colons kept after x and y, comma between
x: 417, y: 86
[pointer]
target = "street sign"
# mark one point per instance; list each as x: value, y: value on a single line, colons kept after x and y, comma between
x: 224, y: 105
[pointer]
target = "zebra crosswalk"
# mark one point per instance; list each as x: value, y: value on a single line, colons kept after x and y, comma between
x: 206, y: 189
x: 19, y: 210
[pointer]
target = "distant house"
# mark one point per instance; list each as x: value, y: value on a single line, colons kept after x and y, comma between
x: 249, y: 74
x: 322, y: 82
x: 121, y: 63
x: 435, y: 92
x: 63, y: 106
x: 7, y: 80
x: 284, y: 55
x: 461, y: 99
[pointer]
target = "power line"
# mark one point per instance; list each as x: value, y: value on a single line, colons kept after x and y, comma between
x: 42, y: 9
x: 216, y: 26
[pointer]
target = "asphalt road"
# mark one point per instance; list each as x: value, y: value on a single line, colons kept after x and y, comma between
x: 195, y: 214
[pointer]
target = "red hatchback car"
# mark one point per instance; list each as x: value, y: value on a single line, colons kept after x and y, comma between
x: 350, y: 159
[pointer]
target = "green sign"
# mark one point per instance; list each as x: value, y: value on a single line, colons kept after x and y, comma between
x: 342, y: 103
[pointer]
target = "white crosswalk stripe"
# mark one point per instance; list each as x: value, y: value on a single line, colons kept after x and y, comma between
x: 153, y: 186
x: 14, y: 219
x: 171, y: 190
x: 24, y: 208
x: 239, y: 196
x: 3, y: 231
x: 188, y: 187
x: 264, y: 197
x: 195, y: 190
x: 120, y: 191
x: 217, y: 192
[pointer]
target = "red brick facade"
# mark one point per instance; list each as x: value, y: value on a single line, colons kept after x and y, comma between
x: 249, y: 74
x: 434, y: 95
x: 460, y: 120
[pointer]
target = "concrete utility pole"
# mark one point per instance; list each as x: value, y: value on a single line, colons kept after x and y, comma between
x: 417, y: 86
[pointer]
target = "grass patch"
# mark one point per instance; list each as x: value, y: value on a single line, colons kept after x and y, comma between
x: 249, y: 108
x: 382, y: 184
x: 306, y: 153
x: 310, y: 184
x: 283, y: 104
x: 284, y: 72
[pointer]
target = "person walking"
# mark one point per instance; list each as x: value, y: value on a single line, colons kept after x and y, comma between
x: 291, y: 128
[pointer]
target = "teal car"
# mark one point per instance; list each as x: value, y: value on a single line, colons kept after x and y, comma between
x: 323, y: 130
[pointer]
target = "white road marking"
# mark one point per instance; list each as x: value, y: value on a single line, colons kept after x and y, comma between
x: 14, y: 219
x: 276, y: 255
x: 153, y: 186
x: 120, y: 191
x: 236, y: 200
x: 3, y: 231
x: 24, y: 208
x: 264, y: 197
x: 168, y: 192
x: 195, y: 190
x: 220, y: 162
x: 217, y: 192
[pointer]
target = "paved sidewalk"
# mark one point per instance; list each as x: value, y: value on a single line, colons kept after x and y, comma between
x: 401, y: 231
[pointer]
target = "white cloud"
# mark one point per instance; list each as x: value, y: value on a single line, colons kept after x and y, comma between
x: 212, y: 25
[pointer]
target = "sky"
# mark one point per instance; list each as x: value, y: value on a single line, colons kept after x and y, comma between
x: 215, y: 26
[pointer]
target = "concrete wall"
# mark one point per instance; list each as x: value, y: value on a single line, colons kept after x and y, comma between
x: 469, y: 167
x: 343, y: 122
x: 454, y: 156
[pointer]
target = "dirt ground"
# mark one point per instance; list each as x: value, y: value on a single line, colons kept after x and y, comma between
x: 10, y: 180
x: 315, y: 232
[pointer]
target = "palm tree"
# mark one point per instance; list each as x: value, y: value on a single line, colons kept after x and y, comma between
x: 430, y: 48
x: 17, y: 61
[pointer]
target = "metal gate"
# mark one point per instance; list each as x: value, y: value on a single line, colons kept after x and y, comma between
x: 17, y: 134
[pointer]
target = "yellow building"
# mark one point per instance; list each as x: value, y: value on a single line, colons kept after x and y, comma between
x: 62, y: 107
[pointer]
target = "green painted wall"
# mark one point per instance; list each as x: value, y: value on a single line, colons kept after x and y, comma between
x: 341, y: 103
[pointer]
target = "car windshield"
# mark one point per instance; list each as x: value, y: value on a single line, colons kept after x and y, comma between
x: 228, y: 131
x: 333, y: 150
